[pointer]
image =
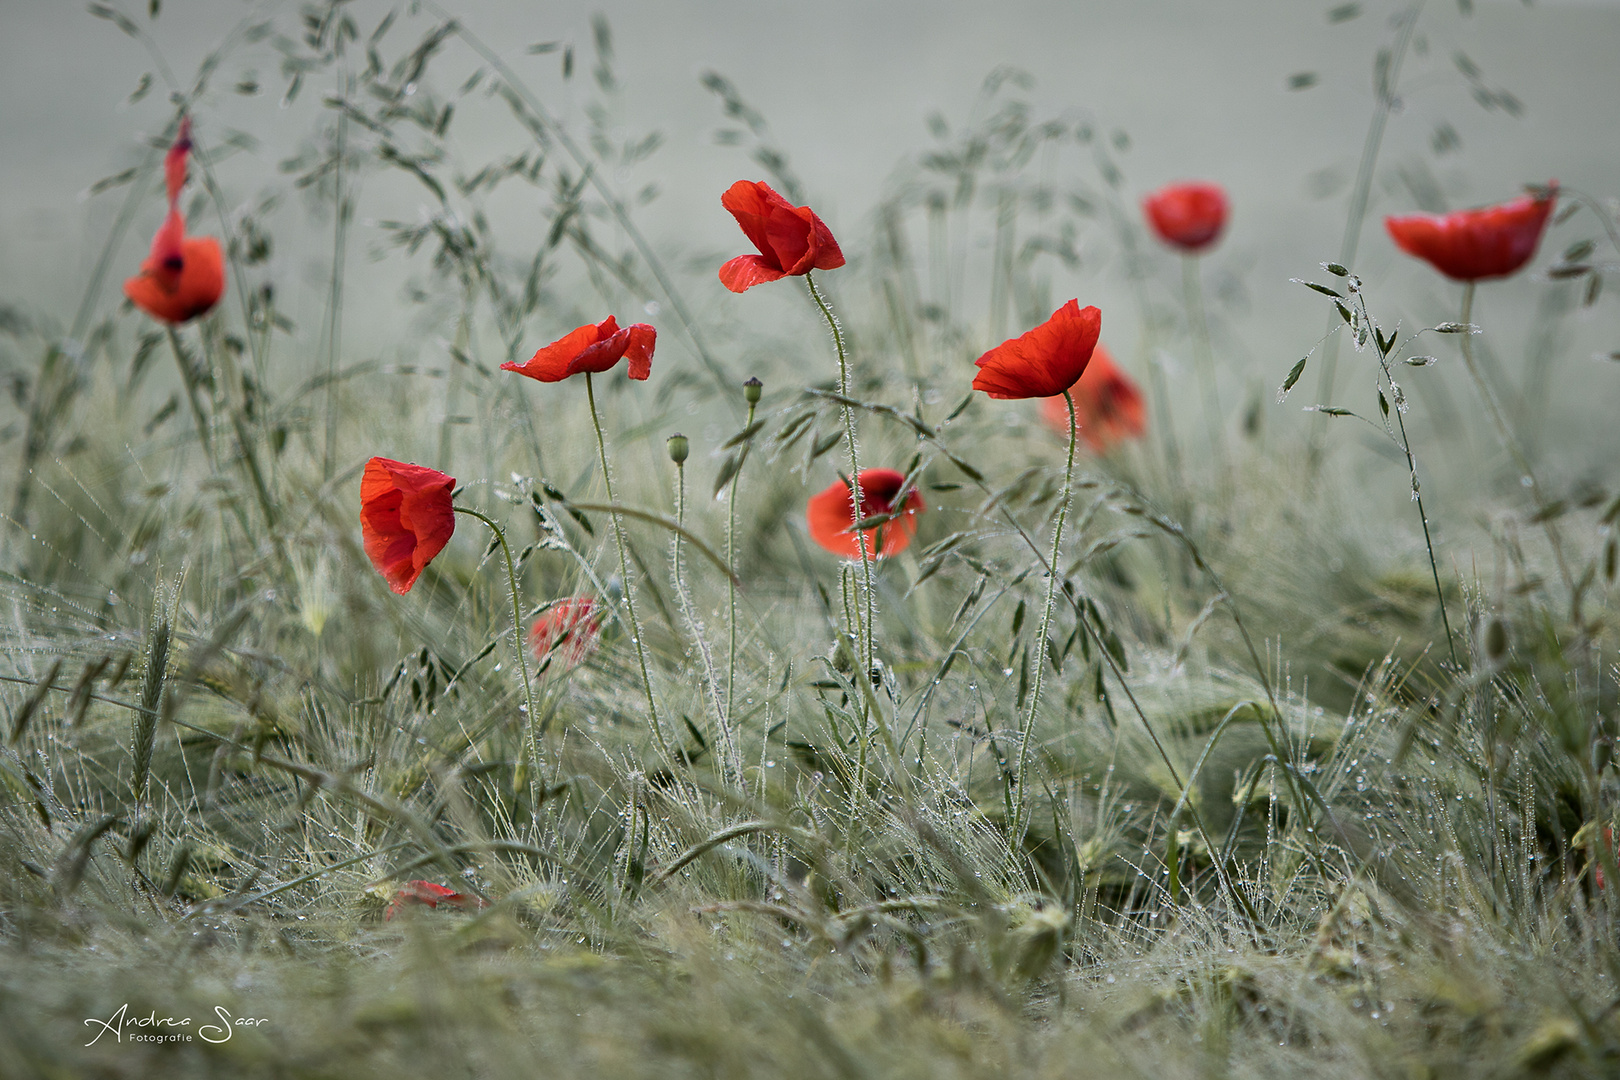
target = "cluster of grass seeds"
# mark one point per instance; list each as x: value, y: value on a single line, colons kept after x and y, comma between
x: 1279, y: 813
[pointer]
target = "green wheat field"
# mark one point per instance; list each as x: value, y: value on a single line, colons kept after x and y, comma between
x: 1265, y: 726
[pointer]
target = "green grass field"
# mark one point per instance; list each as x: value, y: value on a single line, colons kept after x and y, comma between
x: 1300, y: 762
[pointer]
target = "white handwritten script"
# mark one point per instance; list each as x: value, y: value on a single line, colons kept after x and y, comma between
x: 153, y: 1028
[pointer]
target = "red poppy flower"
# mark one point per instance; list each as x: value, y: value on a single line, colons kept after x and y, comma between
x: 405, y: 518
x: 1047, y: 360
x: 567, y: 631
x: 1467, y: 245
x: 1107, y: 404
x: 791, y: 240
x: 594, y: 349
x: 426, y: 892
x: 1187, y: 216
x: 183, y: 276
x: 831, y: 518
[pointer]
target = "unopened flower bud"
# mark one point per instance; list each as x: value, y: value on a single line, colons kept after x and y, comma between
x: 752, y: 389
x: 678, y: 449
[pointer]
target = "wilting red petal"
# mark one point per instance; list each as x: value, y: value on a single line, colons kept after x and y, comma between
x: 592, y: 349
x: 182, y: 277
x: 406, y: 518
x: 746, y: 271
x: 1107, y: 405
x: 638, y: 350
x: 1047, y: 360
x: 1469, y: 245
x: 1187, y: 216
x: 426, y: 892
x: 830, y: 515
x: 791, y: 240
x: 174, y: 162
x: 567, y: 631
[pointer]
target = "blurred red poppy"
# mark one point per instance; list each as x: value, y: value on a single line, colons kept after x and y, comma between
x: 1188, y: 216
x: 831, y: 518
x: 567, y: 631
x: 1467, y: 245
x: 594, y: 349
x: 426, y: 892
x: 183, y: 276
x: 405, y: 518
x: 1107, y: 405
x: 1047, y: 360
x: 791, y: 240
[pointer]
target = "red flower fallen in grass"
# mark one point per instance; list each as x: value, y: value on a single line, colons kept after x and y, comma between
x: 594, y: 349
x: 831, y: 518
x: 425, y: 892
x: 1107, y: 404
x: 1187, y: 216
x: 183, y: 276
x: 405, y: 518
x: 1467, y: 245
x: 567, y: 631
x: 1044, y: 362
x: 791, y: 240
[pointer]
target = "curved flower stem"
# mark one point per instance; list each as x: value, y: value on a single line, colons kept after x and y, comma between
x: 533, y: 758
x: 731, y: 585
x: 1508, y: 440
x: 1053, y: 572
x: 864, y: 628
x: 1193, y: 289
x: 730, y: 764
x: 624, y: 574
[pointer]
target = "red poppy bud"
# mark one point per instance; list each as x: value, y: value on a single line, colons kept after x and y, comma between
x: 1469, y: 245
x: 405, y: 518
x: 594, y: 349
x: 1187, y: 216
x: 1047, y: 360
x: 1107, y: 405
x: 791, y: 240
x: 174, y: 162
x: 831, y: 516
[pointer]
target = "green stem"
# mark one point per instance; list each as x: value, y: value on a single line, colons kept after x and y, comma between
x: 730, y: 764
x: 731, y: 584
x: 864, y: 630
x: 1508, y: 440
x: 636, y: 636
x: 188, y: 378
x: 1385, y: 104
x: 533, y: 758
x: 1053, y: 573
x: 1193, y: 290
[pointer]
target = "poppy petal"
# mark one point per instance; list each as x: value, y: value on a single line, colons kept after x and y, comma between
x: 831, y: 519
x: 406, y: 518
x: 1189, y: 216
x: 639, y: 351
x: 1471, y: 245
x: 183, y: 278
x: 1045, y: 361
x: 746, y: 271
x: 550, y: 363
x: 1108, y: 406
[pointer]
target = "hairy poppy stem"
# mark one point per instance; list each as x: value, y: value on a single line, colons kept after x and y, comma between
x: 624, y: 574
x: 188, y: 378
x: 864, y: 629
x: 730, y: 763
x: 731, y: 584
x: 1053, y: 573
x: 533, y: 758
x: 1508, y: 439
